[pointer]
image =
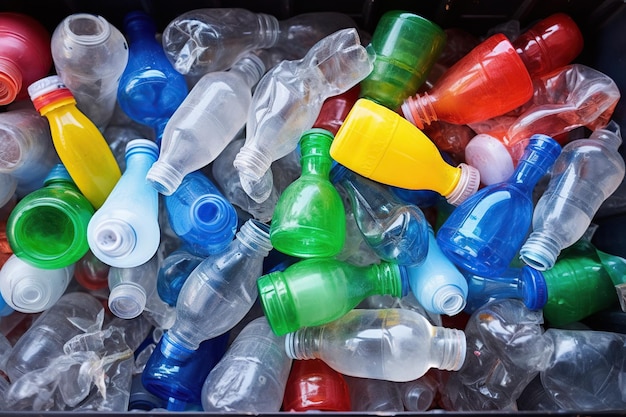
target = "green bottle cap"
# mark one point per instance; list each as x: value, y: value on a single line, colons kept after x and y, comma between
x: 406, y: 46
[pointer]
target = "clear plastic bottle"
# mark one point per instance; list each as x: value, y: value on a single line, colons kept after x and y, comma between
x: 200, y: 215
x: 288, y: 100
x: 223, y: 285
x: 43, y: 341
x: 586, y: 173
x: 91, y: 273
x: 207, y: 120
x: 252, y: 375
x: 374, y: 395
x: 212, y: 39
x: 78, y: 142
x: 90, y: 56
x: 419, y: 394
x: 382, y: 340
x: 174, y: 270
x: 397, y: 232
x: 125, y: 231
x: 29, y: 289
x: 26, y: 150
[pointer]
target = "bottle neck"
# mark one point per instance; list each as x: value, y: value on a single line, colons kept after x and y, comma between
x: 10, y: 81
x: 315, y: 150
x: 391, y: 279
x: 250, y: 68
x: 86, y: 29
x: 304, y: 343
x: 538, y: 157
x: 255, y: 236
x: 419, y: 110
x: 448, y: 348
x: 269, y: 31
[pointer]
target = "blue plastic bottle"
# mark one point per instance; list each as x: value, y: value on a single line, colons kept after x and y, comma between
x: 396, y: 232
x: 125, y: 231
x: 174, y: 271
x: 150, y: 89
x: 437, y: 284
x: 200, y: 215
x: 177, y: 376
x: 483, y: 234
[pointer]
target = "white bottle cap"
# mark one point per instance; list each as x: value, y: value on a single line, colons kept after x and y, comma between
x: 490, y: 157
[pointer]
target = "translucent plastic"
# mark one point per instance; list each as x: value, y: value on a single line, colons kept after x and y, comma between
x: 436, y: 283
x: 288, y: 99
x: 419, y: 394
x: 90, y: 55
x: 397, y: 232
x: 379, y: 144
x: 506, y: 350
x: 398, y: 345
x: 564, y: 99
x: 405, y: 46
x: 24, y: 55
x: 586, y: 173
x: 91, y: 273
x: 218, y: 104
x: 374, y: 395
x: 178, y: 380
x: 291, y: 298
x: 200, y: 215
x: 150, y: 89
x: 26, y: 150
x: 484, y: 233
x: 78, y: 142
x: 48, y: 227
x: 309, y: 218
x: 30, y: 289
x: 314, y: 386
x: 43, y: 341
x: 586, y: 370
x: 252, y: 375
x: 479, y: 78
x: 174, y: 271
x: 125, y: 231
x: 223, y: 285
x: 335, y: 109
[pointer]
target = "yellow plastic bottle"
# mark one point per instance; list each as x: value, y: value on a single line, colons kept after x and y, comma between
x: 379, y: 144
x: 78, y: 142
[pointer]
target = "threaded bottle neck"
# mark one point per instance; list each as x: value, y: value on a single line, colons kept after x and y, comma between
x: 448, y: 348
x: 252, y: 162
x: 303, y: 343
x: 391, y: 279
x: 250, y: 68
x: 86, y: 29
x: 541, y: 250
x: 419, y: 110
x: 10, y: 81
x: 256, y: 236
x: 269, y: 30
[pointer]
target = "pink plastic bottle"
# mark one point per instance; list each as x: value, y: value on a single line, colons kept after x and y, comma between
x: 25, y: 55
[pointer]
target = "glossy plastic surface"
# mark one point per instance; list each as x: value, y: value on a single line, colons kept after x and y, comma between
x: 314, y: 386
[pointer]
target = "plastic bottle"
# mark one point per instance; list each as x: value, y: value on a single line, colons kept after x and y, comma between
x: 223, y: 285
x: 585, y: 370
x: 252, y: 375
x: 381, y: 145
x: 24, y: 55
x: 586, y: 173
x: 218, y: 104
x: 44, y: 340
x: 314, y: 386
x: 374, y: 395
x: 309, y: 218
x: 90, y: 56
x: 551, y: 43
x: 78, y: 142
x: 91, y: 273
x: 48, y: 227
x: 29, y: 289
x: 335, y: 109
x: 200, y: 215
x: 27, y: 153
x: 436, y: 283
x: 479, y: 78
x: 405, y: 46
x: 419, y: 394
x: 382, y: 339
x: 178, y: 380
x: 484, y: 233
x: 396, y: 232
x: 206, y: 40
x: 290, y: 298
x: 125, y: 231
x: 150, y: 89
x: 288, y: 99
x: 174, y: 271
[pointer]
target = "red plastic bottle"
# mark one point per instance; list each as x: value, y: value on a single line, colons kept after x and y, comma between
x: 550, y: 44
x: 489, y: 81
x: 313, y: 385
x: 25, y: 55
x: 335, y: 109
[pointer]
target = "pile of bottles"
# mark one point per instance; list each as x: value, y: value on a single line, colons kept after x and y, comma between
x: 243, y: 214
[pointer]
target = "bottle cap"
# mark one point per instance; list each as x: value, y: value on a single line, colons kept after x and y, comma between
x: 468, y: 185
x: 48, y: 90
x: 127, y: 300
x: 449, y: 300
x: 490, y: 157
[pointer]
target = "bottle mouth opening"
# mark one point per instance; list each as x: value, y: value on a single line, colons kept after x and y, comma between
x: 29, y: 295
x: 87, y: 29
x: 10, y: 82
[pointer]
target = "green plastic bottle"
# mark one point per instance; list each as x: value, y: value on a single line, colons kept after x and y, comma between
x: 406, y: 46
x: 48, y: 227
x: 581, y: 283
x: 309, y: 220
x: 312, y: 292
